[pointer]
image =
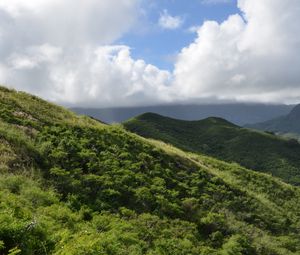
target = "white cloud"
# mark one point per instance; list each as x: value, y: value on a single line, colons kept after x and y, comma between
x: 249, y: 58
x: 68, y: 55
x: 66, y: 22
x: 167, y: 21
x: 102, y: 76
x: 193, y: 29
x: 16, y: 7
x: 107, y: 77
x: 35, y: 56
x: 59, y: 52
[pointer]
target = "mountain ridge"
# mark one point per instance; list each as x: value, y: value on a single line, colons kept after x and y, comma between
x: 240, y: 114
x: 286, y: 124
x: 221, y: 139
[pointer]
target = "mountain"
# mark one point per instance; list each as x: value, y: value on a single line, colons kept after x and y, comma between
x: 72, y: 185
x: 240, y: 114
x: 289, y: 123
x: 219, y: 138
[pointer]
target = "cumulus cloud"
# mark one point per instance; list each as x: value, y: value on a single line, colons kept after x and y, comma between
x: 193, y: 29
x: 61, y: 53
x: 102, y: 76
x: 68, y: 55
x: 167, y: 21
x: 253, y: 57
x: 66, y: 22
x: 34, y: 56
x: 108, y: 76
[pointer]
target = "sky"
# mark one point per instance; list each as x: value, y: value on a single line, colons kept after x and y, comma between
x: 112, y: 53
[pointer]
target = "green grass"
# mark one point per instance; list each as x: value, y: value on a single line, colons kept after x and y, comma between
x: 71, y: 185
x: 216, y: 137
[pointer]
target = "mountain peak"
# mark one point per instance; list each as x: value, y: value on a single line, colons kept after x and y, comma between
x: 295, y: 113
x: 150, y: 116
x: 288, y: 124
x: 219, y: 121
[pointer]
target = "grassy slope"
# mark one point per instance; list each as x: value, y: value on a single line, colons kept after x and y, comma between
x: 218, y: 138
x: 70, y: 185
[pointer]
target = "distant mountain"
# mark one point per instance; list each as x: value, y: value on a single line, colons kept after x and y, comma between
x: 239, y: 114
x: 289, y: 123
x: 226, y: 141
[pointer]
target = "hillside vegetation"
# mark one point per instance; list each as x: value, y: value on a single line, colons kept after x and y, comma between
x: 219, y: 138
x: 71, y: 185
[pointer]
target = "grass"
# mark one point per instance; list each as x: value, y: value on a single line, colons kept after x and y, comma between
x: 76, y: 186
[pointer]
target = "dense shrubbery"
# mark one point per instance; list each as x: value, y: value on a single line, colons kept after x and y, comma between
x: 75, y: 186
x: 33, y: 221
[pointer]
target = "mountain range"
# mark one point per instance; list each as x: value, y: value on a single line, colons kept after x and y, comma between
x: 221, y: 139
x: 239, y: 114
x: 72, y: 185
x: 289, y: 123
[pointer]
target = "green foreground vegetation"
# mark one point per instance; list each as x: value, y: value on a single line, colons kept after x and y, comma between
x: 71, y: 185
x: 216, y: 137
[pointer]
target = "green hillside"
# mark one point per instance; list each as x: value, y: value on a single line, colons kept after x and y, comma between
x: 71, y: 185
x: 219, y: 138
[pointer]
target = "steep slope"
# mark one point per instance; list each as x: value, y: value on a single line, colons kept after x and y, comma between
x: 71, y: 185
x: 221, y: 139
x: 289, y: 123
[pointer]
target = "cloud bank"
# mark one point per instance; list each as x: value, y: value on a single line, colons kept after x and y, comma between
x: 253, y: 57
x: 68, y: 54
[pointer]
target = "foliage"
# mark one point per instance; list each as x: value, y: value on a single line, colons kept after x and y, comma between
x: 216, y: 137
x: 71, y: 185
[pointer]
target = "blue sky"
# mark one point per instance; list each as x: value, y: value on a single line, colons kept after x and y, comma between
x: 159, y: 46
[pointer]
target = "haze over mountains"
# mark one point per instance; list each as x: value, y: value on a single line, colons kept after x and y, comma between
x: 240, y: 114
x: 289, y: 123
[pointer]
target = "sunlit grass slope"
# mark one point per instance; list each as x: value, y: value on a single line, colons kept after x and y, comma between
x: 71, y: 185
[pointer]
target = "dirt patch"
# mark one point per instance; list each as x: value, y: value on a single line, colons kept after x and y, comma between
x: 29, y: 131
x: 24, y: 115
